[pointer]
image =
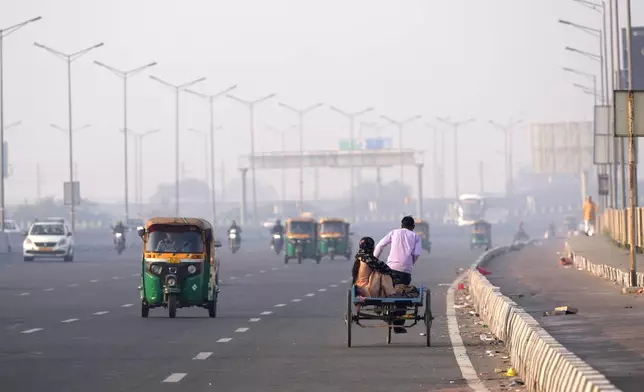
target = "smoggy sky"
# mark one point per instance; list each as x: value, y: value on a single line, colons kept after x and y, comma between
x: 496, y: 59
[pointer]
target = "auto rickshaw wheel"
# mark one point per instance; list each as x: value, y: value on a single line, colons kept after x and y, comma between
x: 349, y: 317
x: 212, y: 307
x: 145, y: 310
x: 389, y: 335
x: 299, y: 259
x: 285, y: 259
x: 318, y: 259
x: 172, y: 305
x: 332, y: 256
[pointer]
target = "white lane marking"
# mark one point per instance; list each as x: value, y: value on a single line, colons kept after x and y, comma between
x: 458, y: 348
x: 116, y: 277
x: 72, y: 285
x: 224, y: 340
x: 445, y: 284
x: 242, y: 329
x: 203, y: 355
x: 49, y: 289
x: 262, y: 272
x: 93, y: 281
x: 232, y: 278
x: 344, y: 281
x: 102, y: 312
x: 69, y: 321
x: 333, y: 285
x: 23, y: 294
x: 265, y: 313
x: 274, y: 268
x: 310, y: 295
x: 31, y: 330
x: 296, y: 300
x: 175, y: 377
x: 322, y: 290
x: 126, y: 305
x: 137, y: 274
x: 254, y: 319
x: 280, y: 305
x: 247, y: 275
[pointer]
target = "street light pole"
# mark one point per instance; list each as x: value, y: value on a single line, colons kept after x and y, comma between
x: 138, y: 164
x: 177, y: 90
x: 400, y: 125
x: 3, y: 33
x: 251, y: 108
x: 211, y: 107
x: 70, y: 58
x: 125, y: 75
x: 300, y: 114
x: 507, y: 137
x: 631, y: 148
x: 352, y: 117
x: 282, y: 133
x: 455, y: 125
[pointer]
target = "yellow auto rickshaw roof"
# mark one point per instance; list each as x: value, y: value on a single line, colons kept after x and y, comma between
x: 198, y: 222
x: 301, y: 219
x: 323, y: 220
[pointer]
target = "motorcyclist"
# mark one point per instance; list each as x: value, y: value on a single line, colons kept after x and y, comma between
x: 552, y: 229
x: 119, y: 228
x: 521, y: 234
x: 234, y: 226
x: 277, y: 229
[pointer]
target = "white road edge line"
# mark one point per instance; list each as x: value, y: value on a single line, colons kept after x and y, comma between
x: 203, y: 355
x: 224, y: 340
x: 254, y: 319
x: 102, y: 312
x: 280, y: 305
x: 31, y: 330
x: 265, y: 313
x: 175, y: 377
x: 462, y: 359
x: 69, y: 320
x: 242, y: 329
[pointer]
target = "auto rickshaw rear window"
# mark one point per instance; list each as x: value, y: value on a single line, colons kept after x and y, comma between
x: 171, y: 239
x: 332, y: 227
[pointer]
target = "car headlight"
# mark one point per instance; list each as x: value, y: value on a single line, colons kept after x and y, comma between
x: 62, y: 242
x: 156, y: 269
x: 172, y: 281
x: 192, y: 269
x: 28, y: 242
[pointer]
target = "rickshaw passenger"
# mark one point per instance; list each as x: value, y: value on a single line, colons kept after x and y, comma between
x: 371, y: 276
x: 171, y: 243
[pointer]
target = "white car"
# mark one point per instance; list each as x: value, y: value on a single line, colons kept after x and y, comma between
x: 48, y: 239
x: 11, y: 226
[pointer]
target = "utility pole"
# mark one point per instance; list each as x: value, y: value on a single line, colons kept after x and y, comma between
x: 455, y: 125
x: 631, y: 149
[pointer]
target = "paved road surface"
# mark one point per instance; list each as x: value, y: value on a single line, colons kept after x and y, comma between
x: 77, y: 327
x: 606, y: 333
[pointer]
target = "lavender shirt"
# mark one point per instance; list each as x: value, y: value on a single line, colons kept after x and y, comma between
x: 404, y: 245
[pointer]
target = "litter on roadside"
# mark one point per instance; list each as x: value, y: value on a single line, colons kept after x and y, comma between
x: 561, y: 310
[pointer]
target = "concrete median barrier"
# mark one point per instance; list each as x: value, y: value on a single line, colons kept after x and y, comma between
x: 543, y: 363
x: 603, y: 271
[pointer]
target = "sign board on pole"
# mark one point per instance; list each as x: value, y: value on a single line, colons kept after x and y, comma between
x: 69, y: 196
x: 604, y: 120
x: 378, y: 144
x: 621, y: 113
x: 4, y: 159
x: 347, y: 145
x: 637, y: 56
x: 562, y: 147
x: 603, y: 185
x: 604, y: 153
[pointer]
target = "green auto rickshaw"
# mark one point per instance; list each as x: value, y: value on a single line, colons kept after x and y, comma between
x: 422, y: 229
x: 301, y: 235
x: 481, y: 235
x: 335, y: 238
x: 179, y: 268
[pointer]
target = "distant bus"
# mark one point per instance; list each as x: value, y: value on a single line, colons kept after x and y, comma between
x: 471, y: 208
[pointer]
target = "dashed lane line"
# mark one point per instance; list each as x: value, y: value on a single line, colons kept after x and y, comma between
x: 224, y: 340
x: 274, y: 268
x: 23, y: 294
x: 175, y: 377
x: 102, y: 312
x: 310, y: 295
x: 93, y: 281
x: 265, y: 313
x: 254, y: 319
x: 344, y: 281
x: 69, y: 320
x: 296, y: 300
x: 116, y: 277
x: 232, y: 278
x: 202, y: 356
x: 322, y: 290
x: 241, y: 329
x: 262, y: 272
x: 72, y: 285
x: 28, y: 331
x: 333, y: 285
x: 127, y: 305
x: 248, y: 275
x: 49, y: 289
x: 280, y: 305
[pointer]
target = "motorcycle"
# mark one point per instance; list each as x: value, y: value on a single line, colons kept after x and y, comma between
x: 233, y: 241
x: 278, y: 243
x: 119, y: 242
x: 521, y: 237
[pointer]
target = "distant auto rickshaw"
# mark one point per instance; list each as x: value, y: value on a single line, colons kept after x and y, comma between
x: 301, y: 240
x: 481, y: 235
x: 422, y: 229
x: 179, y: 267
x: 335, y: 238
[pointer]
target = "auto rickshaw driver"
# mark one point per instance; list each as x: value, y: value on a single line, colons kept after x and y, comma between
x: 170, y: 243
